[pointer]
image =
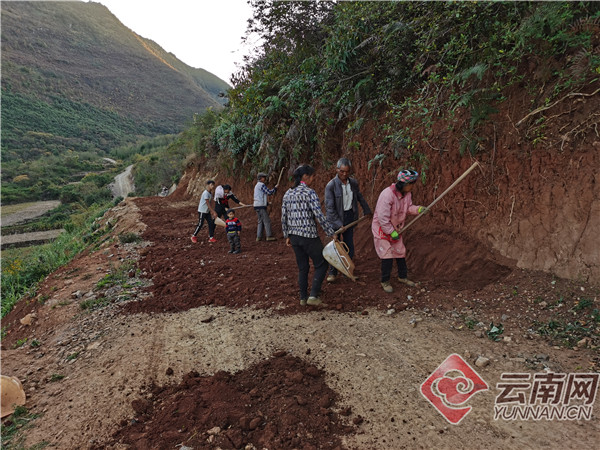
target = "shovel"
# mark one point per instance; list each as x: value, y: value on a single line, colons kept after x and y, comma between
x: 452, y: 186
x: 220, y: 222
x: 240, y: 207
x: 350, y: 225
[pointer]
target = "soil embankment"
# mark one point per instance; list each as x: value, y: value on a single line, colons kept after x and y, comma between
x: 536, y: 202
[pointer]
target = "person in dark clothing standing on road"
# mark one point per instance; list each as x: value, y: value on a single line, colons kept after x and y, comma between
x: 222, y: 196
x: 342, y: 196
x: 300, y: 212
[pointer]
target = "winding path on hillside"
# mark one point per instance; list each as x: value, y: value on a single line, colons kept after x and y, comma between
x: 123, y: 183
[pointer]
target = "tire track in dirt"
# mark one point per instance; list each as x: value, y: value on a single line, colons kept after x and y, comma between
x: 156, y: 347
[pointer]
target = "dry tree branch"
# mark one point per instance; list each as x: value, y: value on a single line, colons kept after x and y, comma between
x: 589, y: 123
x: 436, y: 149
x: 511, y: 210
x: 544, y: 108
x: 549, y: 118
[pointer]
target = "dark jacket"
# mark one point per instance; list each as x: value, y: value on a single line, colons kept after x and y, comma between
x: 233, y: 226
x: 334, y: 201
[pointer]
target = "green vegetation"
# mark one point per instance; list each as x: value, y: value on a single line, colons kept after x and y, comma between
x: 20, y: 274
x: 71, y: 94
x: 327, y: 68
x: 32, y: 127
x: 494, y: 332
x: 72, y: 356
x: 129, y: 238
x: 322, y: 71
x: 118, y: 276
x: 13, y: 428
x: 20, y: 342
x: 585, y: 323
x: 163, y: 167
x: 470, y: 322
x: 44, y: 178
x: 95, y: 303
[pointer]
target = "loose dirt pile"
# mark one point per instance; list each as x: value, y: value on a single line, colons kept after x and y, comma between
x: 197, y: 338
x: 279, y: 403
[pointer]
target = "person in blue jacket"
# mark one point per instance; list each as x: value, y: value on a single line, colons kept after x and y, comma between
x: 233, y: 228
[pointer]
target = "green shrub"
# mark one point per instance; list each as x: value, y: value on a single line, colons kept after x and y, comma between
x: 96, y: 303
x: 129, y: 237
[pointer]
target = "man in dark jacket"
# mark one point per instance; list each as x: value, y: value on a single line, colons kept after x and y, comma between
x: 342, y: 196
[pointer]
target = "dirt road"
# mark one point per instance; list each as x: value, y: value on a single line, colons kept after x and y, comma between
x: 123, y: 184
x: 215, y: 341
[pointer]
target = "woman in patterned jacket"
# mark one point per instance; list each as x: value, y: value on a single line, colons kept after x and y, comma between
x: 300, y: 212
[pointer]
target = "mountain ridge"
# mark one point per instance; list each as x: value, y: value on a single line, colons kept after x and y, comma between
x: 82, y: 53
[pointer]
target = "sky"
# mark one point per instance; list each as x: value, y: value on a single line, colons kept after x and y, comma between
x: 203, y: 34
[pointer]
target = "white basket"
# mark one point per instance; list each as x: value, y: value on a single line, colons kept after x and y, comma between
x: 336, y: 254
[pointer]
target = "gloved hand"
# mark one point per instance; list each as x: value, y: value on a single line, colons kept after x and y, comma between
x: 422, y: 210
x: 395, y: 235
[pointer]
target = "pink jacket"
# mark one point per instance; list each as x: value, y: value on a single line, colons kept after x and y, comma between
x: 390, y: 214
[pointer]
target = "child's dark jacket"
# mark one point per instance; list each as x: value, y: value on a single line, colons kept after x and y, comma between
x: 233, y: 226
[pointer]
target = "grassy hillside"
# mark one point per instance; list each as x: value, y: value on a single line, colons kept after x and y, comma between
x: 323, y: 72
x: 75, y: 79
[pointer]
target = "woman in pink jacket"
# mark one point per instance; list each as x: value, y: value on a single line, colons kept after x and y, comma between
x: 393, y: 205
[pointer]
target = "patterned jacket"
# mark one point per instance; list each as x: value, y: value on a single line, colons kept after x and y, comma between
x: 300, y: 210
